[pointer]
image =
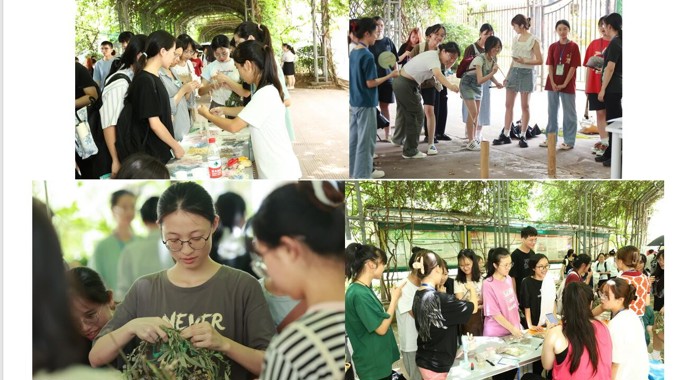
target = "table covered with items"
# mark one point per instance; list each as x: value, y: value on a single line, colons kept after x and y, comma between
x: 235, y: 154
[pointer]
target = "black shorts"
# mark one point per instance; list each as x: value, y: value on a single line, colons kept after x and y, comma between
x: 385, y: 92
x: 428, y: 95
x: 613, y: 106
x: 594, y: 104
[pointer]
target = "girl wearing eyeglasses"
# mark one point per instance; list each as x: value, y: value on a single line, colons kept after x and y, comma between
x: 299, y: 232
x: 214, y: 306
x: 469, y: 272
x: 221, y: 95
x: 368, y: 324
x: 92, y: 304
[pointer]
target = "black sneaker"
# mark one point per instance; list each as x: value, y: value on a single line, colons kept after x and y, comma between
x: 529, y: 134
x: 514, y: 132
x: 502, y: 139
x: 536, y: 131
x: 603, y: 158
x: 607, y: 163
x: 523, y: 142
x: 443, y: 137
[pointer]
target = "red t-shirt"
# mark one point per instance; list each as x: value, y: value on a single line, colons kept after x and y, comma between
x: 573, y: 276
x: 198, y: 65
x: 569, y: 56
x: 585, y: 370
x: 593, y: 79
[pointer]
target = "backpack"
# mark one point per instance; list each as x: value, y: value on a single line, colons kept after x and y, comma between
x: 129, y: 138
x: 463, y: 66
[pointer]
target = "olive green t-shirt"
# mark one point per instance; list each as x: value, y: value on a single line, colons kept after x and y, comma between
x: 373, y: 354
x: 231, y: 301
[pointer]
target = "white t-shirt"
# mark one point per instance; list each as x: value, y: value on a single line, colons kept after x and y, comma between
x: 459, y: 287
x: 228, y: 68
x: 629, y: 346
x: 274, y: 156
x: 611, y: 265
x: 112, y: 99
x: 599, y: 269
x: 288, y: 56
x: 422, y: 65
x: 408, y: 335
x: 524, y: 49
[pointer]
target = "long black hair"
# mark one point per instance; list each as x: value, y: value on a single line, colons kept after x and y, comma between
x: 495, y: 256
x: 658, y: 285
x: 56, y: 341
x: 87, y: 284
x: 262, y: 56
x: 476, y: 273
x: 158, y: 40
x: 615, y: 21
x: 578, y: 324
x: 136, y: 45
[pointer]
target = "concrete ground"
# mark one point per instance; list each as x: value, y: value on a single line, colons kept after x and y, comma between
x: 505, y: 161
x: 321, y: 120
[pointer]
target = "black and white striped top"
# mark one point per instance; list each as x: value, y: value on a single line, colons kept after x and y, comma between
x: 311, y: 348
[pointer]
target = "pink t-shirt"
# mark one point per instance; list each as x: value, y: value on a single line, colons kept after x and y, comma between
x: 499, y: 298
x: 585, y: 369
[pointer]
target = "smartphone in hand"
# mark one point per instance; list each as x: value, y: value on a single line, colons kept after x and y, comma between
x: 551, y: 318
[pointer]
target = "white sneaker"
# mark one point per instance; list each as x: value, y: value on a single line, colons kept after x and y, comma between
x: 377, y: 174
x: 473, y: 145
x: 394, y: 142
x: 375, y: 155
x: 417, y: 155
x: 543, y: 144
x: 432, y: 151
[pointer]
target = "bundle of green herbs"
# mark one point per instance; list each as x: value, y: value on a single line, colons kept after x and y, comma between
x: 176, y: 359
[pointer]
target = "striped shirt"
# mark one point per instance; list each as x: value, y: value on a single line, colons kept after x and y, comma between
x: 311, y: 348
x: 112, y: 99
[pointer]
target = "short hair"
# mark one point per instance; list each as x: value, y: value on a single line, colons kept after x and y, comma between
x: 563, y: 22
x: 107, y: 43
x: 149, y: 210
x: 115, y: 197
x: 450, y: 47
x: 528, y: 231
x: 142, y: 166
x: 125, y: 36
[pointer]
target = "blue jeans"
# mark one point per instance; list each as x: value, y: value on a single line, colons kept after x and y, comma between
x: 362, y: 131
x: 568, y: 115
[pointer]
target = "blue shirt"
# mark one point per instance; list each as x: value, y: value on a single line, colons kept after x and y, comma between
x: 362, y: 68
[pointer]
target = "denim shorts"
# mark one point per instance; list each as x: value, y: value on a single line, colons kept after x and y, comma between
x: 469, y: 89
x: 520, y: 80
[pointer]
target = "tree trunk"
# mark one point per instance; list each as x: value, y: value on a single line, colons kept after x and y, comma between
x: 326, y: 42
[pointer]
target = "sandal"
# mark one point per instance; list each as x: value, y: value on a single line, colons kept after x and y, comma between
x: 564, y: 146
x: 544, y: 144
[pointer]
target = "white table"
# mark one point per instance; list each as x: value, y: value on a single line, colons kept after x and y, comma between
x: 483, y: 369
x: 616, y: 128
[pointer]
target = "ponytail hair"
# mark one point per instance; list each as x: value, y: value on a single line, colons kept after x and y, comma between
x: 292, y: 50
x: 158, y: 40
x: 495, y: 256
x: 136, y: 45
x: 262, y: 56
x: 426, y: 262
x: 357, y: 255
x: 258, y: 31
x: 620, y: 288
x: 629, y: 255
x: 615, y: 21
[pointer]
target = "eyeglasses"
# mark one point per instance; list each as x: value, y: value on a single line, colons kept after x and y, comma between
x: 508, y: 265
x: 542, y: 267
x: 189, y: 52
x: 91, y: 318
x: 603, y: 296
x: 175, y: 245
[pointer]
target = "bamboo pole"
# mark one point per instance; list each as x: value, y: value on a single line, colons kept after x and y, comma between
x: 552, y: 159
x: 484, y: 167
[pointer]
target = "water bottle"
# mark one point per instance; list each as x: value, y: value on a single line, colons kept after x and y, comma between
x: 214, y: 160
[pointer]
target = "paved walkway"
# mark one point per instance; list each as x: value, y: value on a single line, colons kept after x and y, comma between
x: 505, y: 161
x: 321, y: 120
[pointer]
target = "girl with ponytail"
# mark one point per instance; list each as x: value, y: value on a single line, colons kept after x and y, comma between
x: 264, y: 114
x: 437, y: 316
x: 299, y: 234
x: 629, y: 355
x: 150, y: 101
x: 367, y: 323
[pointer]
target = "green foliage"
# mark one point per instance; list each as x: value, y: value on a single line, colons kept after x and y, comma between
x: 175, y: 359
x: 463, y: 35
x: 305, y: 59
x: 95, y: 21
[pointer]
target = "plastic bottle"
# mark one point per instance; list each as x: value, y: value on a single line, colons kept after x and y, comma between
x: 214, y: 160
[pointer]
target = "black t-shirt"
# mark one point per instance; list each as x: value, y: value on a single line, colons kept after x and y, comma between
x: 530, y: 297
x: 83, y: 80
x: 380, y: 46
x: 438, y: 353
x: 614, y: 53
x: 403, y: 49
x: 149, y: 98
x: 520, y: 268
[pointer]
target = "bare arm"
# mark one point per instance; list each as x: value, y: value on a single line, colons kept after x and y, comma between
x: 527, y: 314
x: 162, y: 132
x: 228, y: 111
x: 106, y: 348
x: 85, y: 99
x: 608, y: 72
x: 230, y: 125
x: 508, y: 326
x: 480, y: 78
x: 442, y: 79
x: 615, y: 369
x: 372, y: 83
x: 110, y: 138
x: 385, y: 325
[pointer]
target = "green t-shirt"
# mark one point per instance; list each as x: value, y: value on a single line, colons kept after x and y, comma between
x: 105, y: 261
x: 373, y: 354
